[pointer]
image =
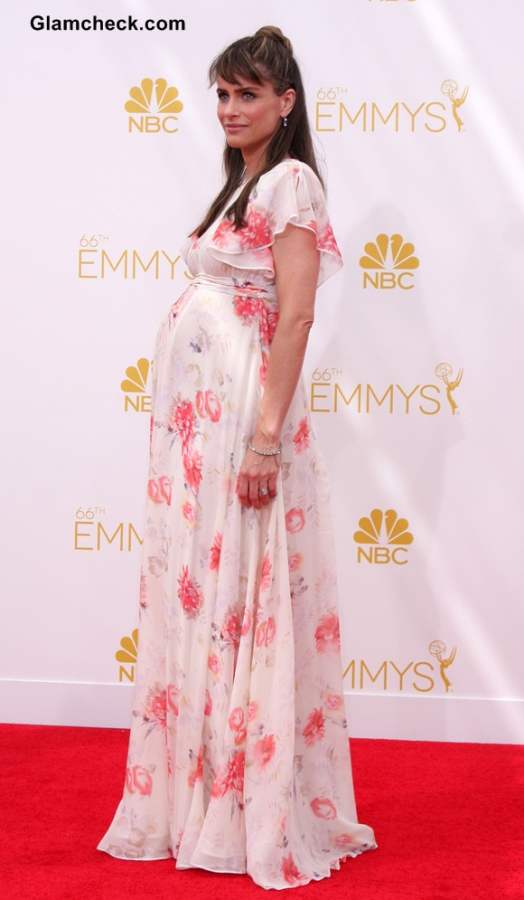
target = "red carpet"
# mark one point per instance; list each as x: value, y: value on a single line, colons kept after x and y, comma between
x: 448, y: 818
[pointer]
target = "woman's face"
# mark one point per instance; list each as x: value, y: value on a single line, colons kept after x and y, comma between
x: 255, y: 111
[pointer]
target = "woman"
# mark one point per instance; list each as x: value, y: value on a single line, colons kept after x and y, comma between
x: 238, y: 757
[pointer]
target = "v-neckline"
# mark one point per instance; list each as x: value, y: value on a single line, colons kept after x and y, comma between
x: 234, y: 195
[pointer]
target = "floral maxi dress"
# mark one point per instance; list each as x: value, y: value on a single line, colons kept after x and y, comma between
x: 238, y: 757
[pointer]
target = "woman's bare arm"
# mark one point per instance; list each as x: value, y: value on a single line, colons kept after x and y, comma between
x: 297, y: 263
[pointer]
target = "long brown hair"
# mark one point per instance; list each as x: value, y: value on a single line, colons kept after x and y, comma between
x: 265, y: 56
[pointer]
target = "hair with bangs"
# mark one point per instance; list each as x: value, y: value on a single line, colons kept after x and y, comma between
x: 265, y: 56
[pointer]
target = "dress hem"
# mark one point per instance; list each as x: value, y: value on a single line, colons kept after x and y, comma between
x: 334, y: 865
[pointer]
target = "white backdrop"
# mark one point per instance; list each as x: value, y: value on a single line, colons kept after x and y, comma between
x: 414, y: 361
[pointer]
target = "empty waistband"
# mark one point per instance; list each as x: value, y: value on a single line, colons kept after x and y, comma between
x: 233, y: 285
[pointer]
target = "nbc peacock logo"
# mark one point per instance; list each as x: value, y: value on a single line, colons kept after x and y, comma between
x: 388, y: 262
x: 126, y: 656
x: 154, y: 107
x: 136, y: 397
x: 382, y: 538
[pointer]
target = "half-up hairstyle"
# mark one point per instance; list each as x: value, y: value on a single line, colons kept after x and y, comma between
x: 265, y: 56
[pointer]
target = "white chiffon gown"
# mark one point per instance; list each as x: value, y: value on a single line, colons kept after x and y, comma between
x: 238, y: 757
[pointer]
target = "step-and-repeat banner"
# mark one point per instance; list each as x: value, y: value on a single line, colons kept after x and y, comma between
x: 112, y: 152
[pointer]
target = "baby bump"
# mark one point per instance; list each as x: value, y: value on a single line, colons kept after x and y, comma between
x: 208, y: 367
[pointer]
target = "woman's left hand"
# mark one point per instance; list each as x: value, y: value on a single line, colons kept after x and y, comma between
x: 257, y: 478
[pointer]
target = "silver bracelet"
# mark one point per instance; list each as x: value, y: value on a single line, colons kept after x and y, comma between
x: 270, y: 452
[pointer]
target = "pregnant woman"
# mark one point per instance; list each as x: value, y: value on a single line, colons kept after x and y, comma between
x: 238, y: 757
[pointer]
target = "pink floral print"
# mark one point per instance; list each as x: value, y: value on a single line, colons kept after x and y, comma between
x: 238, y: 757
x: 189, y: 593
x: 291, y: 192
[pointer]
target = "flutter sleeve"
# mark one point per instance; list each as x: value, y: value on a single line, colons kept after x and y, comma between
x: 291, y: 192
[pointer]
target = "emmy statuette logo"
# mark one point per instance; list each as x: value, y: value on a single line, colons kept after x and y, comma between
x: 443, y: 371
x: 338, y: 110
x: 418, y: 676
x: 330, y: 393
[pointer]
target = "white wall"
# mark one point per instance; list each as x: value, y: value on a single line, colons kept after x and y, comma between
x: 83, y: 189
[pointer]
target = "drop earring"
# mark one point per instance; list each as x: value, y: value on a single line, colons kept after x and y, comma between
x: 284, y: 121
